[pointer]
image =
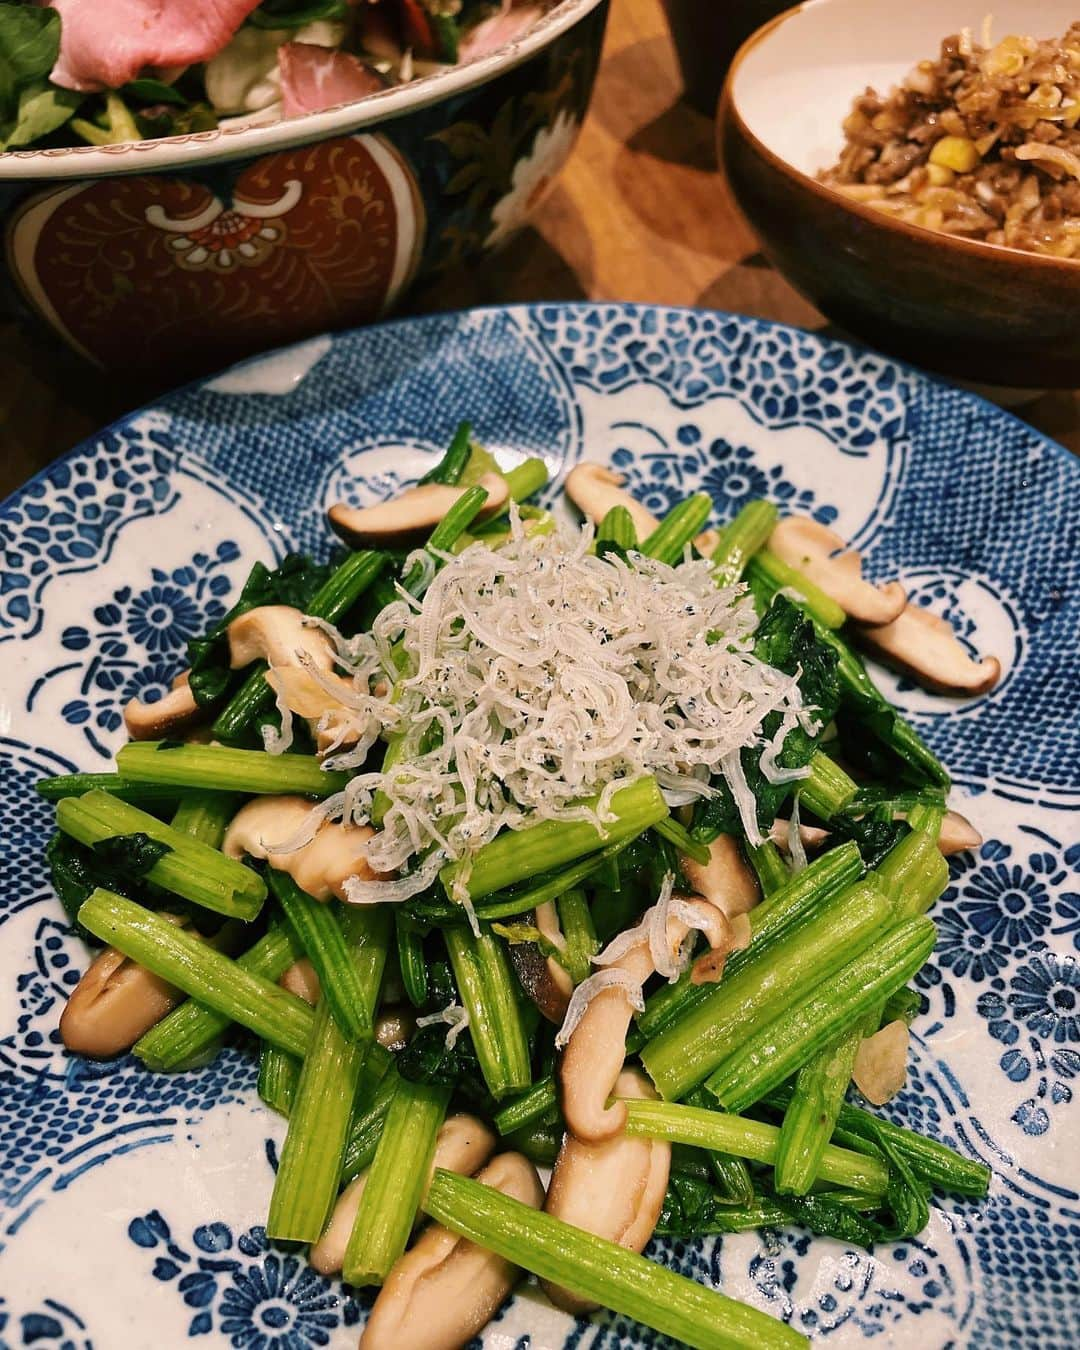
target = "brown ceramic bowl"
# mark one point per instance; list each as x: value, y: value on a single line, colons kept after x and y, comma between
x: 970, y: 310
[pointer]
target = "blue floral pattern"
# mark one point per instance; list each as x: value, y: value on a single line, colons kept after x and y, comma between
x: 136, y: 644
x: 730, y: 474
x: 67, y: 518
x: 52, y: 1326
x: 257, y: 1297
x: 855, y: 1292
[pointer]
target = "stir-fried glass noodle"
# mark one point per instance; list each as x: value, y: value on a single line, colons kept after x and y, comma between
x: 983, y: 143
x: 520, y: 845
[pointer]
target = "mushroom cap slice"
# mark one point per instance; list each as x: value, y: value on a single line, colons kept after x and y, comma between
x: 294, y: 651
x: 958, y: 835
x: 726, y: 880
x: 274, y: 634
x: 412, y: 515
x: 445, y: 1288
x: 824, y: 557
x: 321, y: 866
x: 595, y: 489
x: 811, y: 836
x: 176, y: 711
x: 594, y: 1054
x: 614, y: 1189
x: 114, y: 1003
x: 924, y: 646
x: 117, y: 1000
x: 462, y: 1145
x: 302, y: 979
x: 880, y: 1069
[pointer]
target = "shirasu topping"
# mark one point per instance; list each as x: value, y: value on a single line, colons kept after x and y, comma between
x: 539, y: 675
x: 456, y: 1018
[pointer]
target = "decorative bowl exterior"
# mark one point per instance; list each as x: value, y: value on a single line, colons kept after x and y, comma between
x: 964, y: 308
x: 131, y: 1204
x: 175, y: 257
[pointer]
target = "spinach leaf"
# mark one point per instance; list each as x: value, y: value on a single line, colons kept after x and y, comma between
x: 31, y: 107
x: 692, y: 1208
x: 119, y: 864
x: 786, y: 640
x: 296, y: 13
x: 293, y: 583
x: 29, y: 42
x: 874, y: 838
x: 146, y: 90
x: 41, y: 109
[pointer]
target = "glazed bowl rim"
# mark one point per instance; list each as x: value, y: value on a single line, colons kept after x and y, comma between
x: 920, y: 235
x: 172, y: 152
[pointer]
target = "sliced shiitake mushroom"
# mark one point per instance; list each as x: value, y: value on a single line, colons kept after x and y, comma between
x: 957, y: 835
x: 924, y: 646
x: 810, y: 836
x: 614, y: 1189
x: 594, y: 1055
x: 320, y: 867
x: 726, y: 880
x: 595, y: 489
x: 176, y: 711
x: 302, y: 979
x: 117, y: 1000
x: 114, y: 1003
x: 463, y: 1144
x: 880, y: 1069
x: 825, y: 559
x: 446, y: 1289
x: 278, y: 635
x: 412, y: 515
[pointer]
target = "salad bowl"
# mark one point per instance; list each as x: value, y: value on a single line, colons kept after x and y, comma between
x: 132, y: 1204
x: 173, y: 256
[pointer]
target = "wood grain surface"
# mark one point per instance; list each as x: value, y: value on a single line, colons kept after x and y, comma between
x: 640, y: 213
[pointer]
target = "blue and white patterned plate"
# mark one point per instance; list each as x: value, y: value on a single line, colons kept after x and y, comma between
x: 130, y: 1205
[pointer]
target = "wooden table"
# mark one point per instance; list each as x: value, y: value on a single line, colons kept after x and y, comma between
x: 640, y: 213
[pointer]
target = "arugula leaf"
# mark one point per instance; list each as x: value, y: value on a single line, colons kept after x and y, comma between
x: 119, y: 864
x: 293, y: 583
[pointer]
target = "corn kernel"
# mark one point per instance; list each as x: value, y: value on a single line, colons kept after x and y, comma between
x: 938, y: 175
x: 1007, y: 58
x: 955, y: 152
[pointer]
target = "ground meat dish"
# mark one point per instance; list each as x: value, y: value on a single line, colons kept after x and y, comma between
x: 983, y: 142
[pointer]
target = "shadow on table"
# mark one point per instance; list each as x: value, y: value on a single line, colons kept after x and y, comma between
x: 678, y: 136
x: 754, y: 287
x: 526, y: 269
